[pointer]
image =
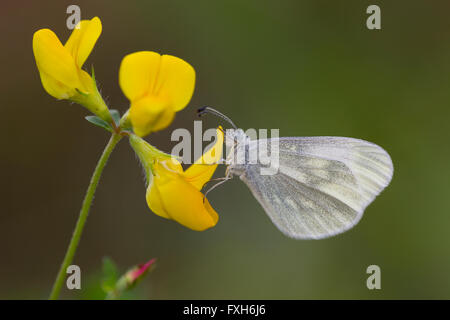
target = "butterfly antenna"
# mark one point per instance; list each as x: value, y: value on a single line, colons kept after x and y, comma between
x: 204, y: 110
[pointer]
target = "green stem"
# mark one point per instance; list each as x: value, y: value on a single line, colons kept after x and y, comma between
x: 83, y: 216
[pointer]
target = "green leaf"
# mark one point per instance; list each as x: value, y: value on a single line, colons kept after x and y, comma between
x: 99, y: 123
x: 116, y: 116
x: 110, y: 275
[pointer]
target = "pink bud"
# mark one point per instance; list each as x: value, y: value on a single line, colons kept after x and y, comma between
x: 136, y: 273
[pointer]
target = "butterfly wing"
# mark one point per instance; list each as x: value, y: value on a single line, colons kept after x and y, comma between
x: 322, y: 186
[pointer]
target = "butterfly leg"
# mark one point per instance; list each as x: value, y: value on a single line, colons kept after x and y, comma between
x: 221, y: 181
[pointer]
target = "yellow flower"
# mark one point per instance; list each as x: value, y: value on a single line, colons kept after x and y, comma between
x: 60, y: 66
x: 175, y: 194
x: 157, y: 87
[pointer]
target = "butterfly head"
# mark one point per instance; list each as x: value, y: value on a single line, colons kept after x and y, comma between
x: 236, y: 141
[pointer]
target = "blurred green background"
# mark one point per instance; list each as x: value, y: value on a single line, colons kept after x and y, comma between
x: 306, y: 67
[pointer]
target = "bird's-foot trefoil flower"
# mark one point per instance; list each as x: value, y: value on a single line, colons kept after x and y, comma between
x: 60, y: 66
x: 157, y: 86
x: 174, y: 193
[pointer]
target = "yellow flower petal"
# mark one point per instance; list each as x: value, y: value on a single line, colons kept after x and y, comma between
x: 214, y: 154
x: 56, y: 88
x: 58, y: 71
x: 154, y: 201
x: 83, y: 39
x: 147, y: 73
x: 165, y: 171
x: 176, y: 80
x: 170, y: 194
x: 150, y: 114
x: 171, y: 165
x: 203, y: 168
x: 182, y: 202
x: 138, y: 72
x: 60, y: 66
x: 157, y: 86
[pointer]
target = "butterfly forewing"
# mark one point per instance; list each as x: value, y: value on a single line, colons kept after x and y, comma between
x: 322, y: 186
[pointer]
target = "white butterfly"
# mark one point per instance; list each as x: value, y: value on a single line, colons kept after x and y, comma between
x: 322, y: 184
